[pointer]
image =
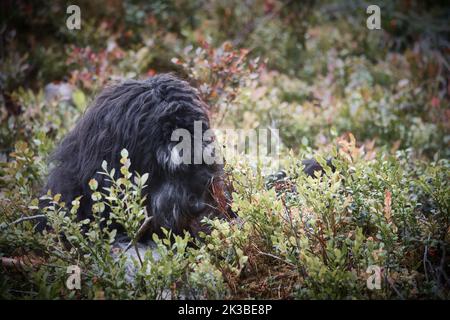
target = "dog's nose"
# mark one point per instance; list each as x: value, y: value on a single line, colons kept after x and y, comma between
x: 195, y: 204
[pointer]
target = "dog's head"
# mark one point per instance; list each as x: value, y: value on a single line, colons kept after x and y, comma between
x: 187, y: 178
x: 180, y: 203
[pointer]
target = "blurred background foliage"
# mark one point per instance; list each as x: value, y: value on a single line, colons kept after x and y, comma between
x: 319, y: 60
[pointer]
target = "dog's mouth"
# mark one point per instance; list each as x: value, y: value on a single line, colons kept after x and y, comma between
x: 182, y: 205
x: 215, y: 204
x: 196, y: 205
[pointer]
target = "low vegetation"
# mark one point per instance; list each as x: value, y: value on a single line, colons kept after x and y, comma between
x: 376, y: 102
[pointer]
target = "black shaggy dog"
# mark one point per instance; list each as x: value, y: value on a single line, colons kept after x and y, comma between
x: 140, y: 116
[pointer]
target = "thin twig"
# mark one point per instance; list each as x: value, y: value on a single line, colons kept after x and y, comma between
x: 139, y: 234
x: 425, y: 253
x: 27, y: 218
x: 274, y: 256
x: 142, y: 229
x: 391, y: 283
x: 19, y: 262
x: 136, y: 248
x: 288, y: 212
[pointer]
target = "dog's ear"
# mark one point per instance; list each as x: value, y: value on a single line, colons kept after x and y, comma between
x: 183, y: 139
x: 176, y: 155
x: 311, y: 166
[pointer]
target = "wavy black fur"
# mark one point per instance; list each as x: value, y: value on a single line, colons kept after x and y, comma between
x: 140, y: 116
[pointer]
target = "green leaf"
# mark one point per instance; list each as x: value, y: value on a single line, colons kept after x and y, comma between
x: 79, y: 99
x: 124, y: 153
x: 144, y: 178
x: 93, y: 184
